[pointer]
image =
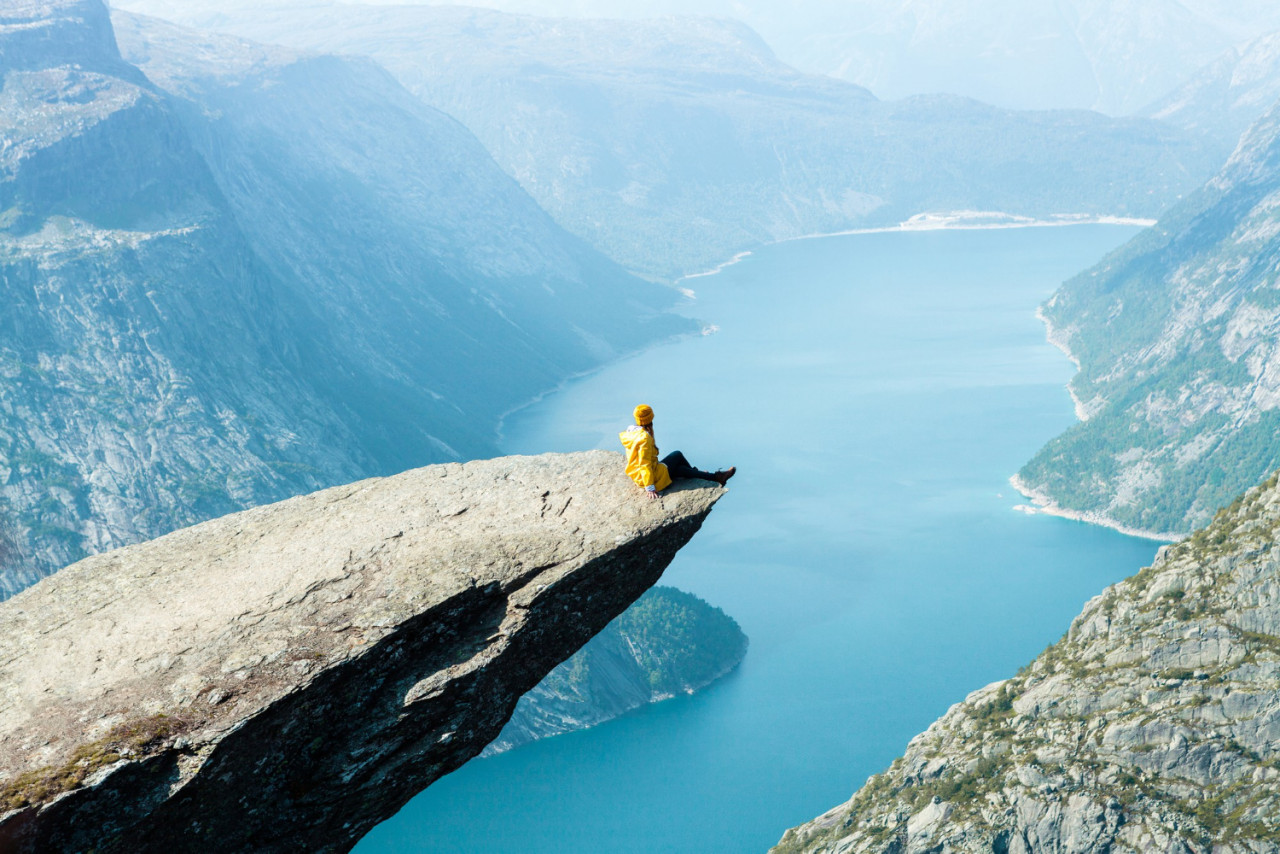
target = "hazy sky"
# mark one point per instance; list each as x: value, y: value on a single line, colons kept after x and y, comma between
x: 1116, y: 56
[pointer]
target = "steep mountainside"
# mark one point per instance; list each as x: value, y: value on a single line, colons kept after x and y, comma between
x: 1153, y: 725
x: 669, y: 642
x: 284, y: 678
x: 1176, y: 338
x: 115, y: 241
x: 282, y: 273
x: 1228, y: 95
x: 673, y: 144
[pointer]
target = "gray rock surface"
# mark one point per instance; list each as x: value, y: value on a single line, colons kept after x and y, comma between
x: 1153, y: 725
x: 286, y: 677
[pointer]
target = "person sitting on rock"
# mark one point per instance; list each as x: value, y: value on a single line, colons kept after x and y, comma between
x: 642, y: 458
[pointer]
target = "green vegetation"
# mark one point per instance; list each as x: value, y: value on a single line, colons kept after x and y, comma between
x: 140, y: 737
x: 1080, y: 469
x: 1154, y: 329
x: 680, y: 640
x: 668, y: 642
x: 998, y: 708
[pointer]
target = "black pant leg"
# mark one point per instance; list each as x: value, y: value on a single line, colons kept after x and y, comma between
x: 679, y: 469
x: 677, y: 465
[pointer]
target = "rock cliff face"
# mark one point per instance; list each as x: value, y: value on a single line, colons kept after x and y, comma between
x: 286, y: 677
x: 1176, y: 338
x: 255, y: 275
x: 1153, y: 725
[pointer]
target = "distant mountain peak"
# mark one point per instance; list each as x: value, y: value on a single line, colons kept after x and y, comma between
x: 36, y: 35
x: 1226, y: 96
x: 1256, y: 159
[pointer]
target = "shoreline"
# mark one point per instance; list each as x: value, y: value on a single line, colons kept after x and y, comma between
x: 722, y: 265
x: 689, y: 690
x: 978, y: 221
x: 952, y: 221
x: 1059, y: 341
x: 1042, y: 502
x: 1047, y: 506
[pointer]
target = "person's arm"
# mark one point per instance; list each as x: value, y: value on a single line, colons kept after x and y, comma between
x: 649, y: 458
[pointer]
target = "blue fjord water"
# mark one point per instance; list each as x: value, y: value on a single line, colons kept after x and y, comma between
x: 875, y: 392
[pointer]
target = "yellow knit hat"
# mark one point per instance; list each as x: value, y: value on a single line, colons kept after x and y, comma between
x: 644, y: 414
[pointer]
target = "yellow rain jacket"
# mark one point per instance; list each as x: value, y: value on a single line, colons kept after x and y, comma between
x: 642, y: 459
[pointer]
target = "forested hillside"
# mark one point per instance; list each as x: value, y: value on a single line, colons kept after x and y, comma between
x: 1176, y: 338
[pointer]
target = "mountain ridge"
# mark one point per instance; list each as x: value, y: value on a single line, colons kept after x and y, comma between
x: 671, y: 153
x: 1173, y: 337
x: 228, y: 293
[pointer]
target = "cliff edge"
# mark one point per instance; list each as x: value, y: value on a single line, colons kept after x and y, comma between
x: 1153, y: 725
x: 289, y: 676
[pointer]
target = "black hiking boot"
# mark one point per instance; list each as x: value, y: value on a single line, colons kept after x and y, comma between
x: 722, y: 477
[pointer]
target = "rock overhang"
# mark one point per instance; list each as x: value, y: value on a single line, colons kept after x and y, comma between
x: 305, y: 667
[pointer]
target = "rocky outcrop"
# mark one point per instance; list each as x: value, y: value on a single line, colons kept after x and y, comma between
x: 1176, y: 338
x: 1153, y: 725
x: 286, y: 677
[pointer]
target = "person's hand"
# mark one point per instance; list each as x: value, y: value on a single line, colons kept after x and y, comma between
x: 653, y: 494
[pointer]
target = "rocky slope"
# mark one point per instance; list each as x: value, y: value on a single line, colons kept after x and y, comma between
x: 1176, y: 338
x: 1153, y: 725
x: 255, y: 275
x: 288, y: 676
x: 1228, y: 95
x: 673, y: 144
x: 667, y: 643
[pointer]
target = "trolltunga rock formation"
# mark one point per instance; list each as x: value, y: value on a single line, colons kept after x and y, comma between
x: 287, y: 677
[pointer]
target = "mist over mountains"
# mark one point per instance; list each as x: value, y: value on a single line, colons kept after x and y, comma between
x: 1224, y: 98
x: 312, y: 242
x: 1082, y: 54
x: 673, y: 144
x: 1108, y: 56
x: 234, y: 290
x: 382, y: 292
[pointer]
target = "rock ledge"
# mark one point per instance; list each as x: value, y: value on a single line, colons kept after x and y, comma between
x: 289, y: 676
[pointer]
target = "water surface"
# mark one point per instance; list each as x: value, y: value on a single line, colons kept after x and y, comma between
x: 875, y: 391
